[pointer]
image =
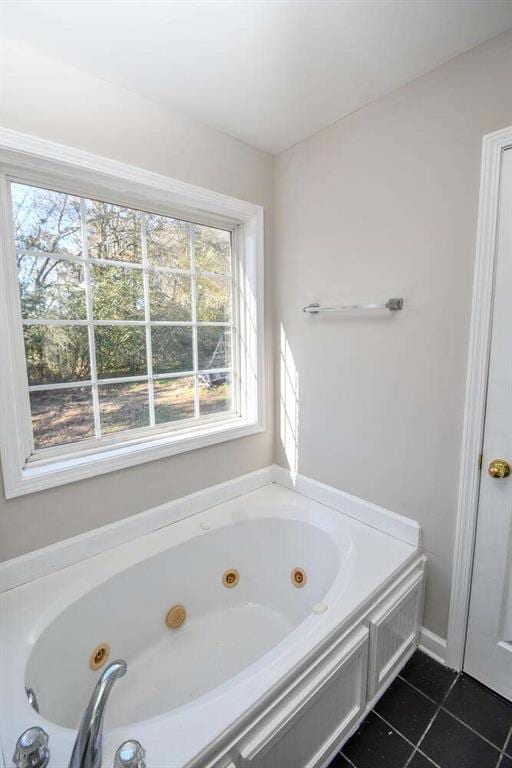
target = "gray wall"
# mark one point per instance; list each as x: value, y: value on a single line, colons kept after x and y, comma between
x: 385, y: 203
x: 49, y: 100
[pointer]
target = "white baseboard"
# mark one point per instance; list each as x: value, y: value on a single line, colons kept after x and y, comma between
x: 433, y: 645
x: 403, y: 528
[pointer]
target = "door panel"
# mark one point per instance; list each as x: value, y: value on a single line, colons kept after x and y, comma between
x: 488, y: 654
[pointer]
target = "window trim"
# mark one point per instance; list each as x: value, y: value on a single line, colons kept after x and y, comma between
x: 30, y: 159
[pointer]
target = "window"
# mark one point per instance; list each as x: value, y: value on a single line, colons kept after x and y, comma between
x: 127, y: 317
x: 134, y: 326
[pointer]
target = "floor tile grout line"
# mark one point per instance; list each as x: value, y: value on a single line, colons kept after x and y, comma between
x: 394, y: 728
x: 424, y: 754
x: 459, y: 675
x: 417, y: 751
x: 469, y: 727
x: 411, y: 744
x: 485, y: 688
x: 427, y: 729
x: 451, y: 687
x: 501, y: 750
x: 417, y: 747
x: 508, y: 739
x: 408, y: 761
x: 440, y: 707
x: 437, y: 703
x: 349, y: 761
x: 429, y: 725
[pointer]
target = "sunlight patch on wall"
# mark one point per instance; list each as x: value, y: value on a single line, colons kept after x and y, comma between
x: 289, y: 405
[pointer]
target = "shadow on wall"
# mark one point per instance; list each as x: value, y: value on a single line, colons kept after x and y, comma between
x: 289, y: 405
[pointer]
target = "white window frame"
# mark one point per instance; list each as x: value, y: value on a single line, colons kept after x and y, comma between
x: 29, y: 159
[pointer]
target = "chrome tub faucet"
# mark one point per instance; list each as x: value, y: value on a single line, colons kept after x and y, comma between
x: 87, y: 750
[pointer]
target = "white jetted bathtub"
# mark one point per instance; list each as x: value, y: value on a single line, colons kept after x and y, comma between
x: 272, y: 667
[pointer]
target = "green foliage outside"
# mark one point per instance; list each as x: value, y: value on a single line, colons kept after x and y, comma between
x: 49, y: 225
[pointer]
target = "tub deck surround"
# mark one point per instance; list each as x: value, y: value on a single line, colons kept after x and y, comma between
x: 209, y: 692
x: 40, y: 562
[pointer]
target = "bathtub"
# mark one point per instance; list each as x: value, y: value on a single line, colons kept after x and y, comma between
x: 273, y: 667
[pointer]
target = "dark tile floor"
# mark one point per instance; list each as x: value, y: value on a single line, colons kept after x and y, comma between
x: 432, y: 717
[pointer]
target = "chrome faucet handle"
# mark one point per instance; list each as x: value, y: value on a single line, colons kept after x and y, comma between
x: 32, y: 749
x: 130, y: 755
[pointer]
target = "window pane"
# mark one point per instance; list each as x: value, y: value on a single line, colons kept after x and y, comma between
x: 214, y: 347
x: 168, y: 242
x: 118, y: 293
x: 215, y: 393
x: 120, y: 350
x: 213, y: 299
x: 61, y: 416
x: 212, y: 249
x: 123, y: 406
x: 172, y: 349
x: 51, y: 289
x: 113, y: 232
x: 56, y: 354
x: 46, y: 221
x: 174, y: 399
x: 52, y: 231
x: 170, y: 296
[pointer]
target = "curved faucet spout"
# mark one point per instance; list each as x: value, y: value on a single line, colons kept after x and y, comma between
x: 87, y: 750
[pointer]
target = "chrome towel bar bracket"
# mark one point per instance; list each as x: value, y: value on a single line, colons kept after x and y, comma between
x: 393, y: 305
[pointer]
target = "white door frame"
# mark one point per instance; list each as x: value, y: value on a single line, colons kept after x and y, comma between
x: 493, y: 146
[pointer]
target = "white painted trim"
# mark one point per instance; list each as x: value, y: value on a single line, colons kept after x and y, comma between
x: 400, y: 527
x: 331, y: 754
x: 37, y: 477
x: 340, y: 655
x: 178, y: 192
x: 433, y: 645
x: 476, y: 388
x: 38, y: 159
x: 41, y: 562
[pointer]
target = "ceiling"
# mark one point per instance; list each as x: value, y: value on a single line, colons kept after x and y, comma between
x: 268, y: 72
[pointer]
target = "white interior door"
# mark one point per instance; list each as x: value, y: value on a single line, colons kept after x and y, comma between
x: 488, y: 654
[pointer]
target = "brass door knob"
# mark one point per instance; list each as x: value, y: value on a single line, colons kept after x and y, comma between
x: 499, y: 468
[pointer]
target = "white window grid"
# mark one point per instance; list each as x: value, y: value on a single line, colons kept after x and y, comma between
x: 144, y: 266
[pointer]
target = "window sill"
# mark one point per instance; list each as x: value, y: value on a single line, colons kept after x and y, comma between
x: 38, y: 476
